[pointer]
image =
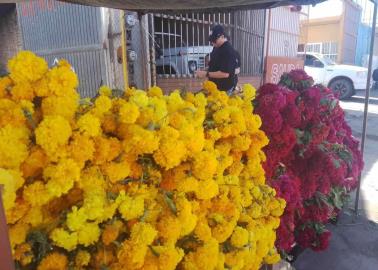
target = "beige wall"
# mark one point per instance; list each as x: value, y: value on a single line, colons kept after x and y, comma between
x: 342, y: 29
x: 321, y: 31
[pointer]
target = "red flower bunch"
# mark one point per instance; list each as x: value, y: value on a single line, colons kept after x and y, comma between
x: 313, y: 161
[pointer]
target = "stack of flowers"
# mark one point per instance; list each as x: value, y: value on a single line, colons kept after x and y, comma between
x: 136, y: 180
x: 313, y: 161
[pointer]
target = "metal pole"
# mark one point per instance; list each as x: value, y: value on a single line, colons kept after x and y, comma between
x: 367, y: 96
x: 124, y: 58
x: 267, y: 47
x: 6, y: 261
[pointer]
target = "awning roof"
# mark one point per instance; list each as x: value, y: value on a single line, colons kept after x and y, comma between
x: 178, y: 6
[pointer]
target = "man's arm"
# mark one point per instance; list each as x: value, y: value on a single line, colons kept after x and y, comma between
x: 218, y: 75
x: 212, y: 74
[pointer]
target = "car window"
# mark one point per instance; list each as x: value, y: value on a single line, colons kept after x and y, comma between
x: 312, y: 61
x: 309, y: 61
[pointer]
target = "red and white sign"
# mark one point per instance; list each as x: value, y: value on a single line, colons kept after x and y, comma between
x: 276, y: 66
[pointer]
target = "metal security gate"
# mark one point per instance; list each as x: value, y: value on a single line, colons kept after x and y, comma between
x: 180, y: 46
x: 56, y: 30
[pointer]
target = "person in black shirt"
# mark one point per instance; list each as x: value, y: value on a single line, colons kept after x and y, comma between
x: 223, y: 62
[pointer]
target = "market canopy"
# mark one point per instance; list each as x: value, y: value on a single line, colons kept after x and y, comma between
x: 177, y: 6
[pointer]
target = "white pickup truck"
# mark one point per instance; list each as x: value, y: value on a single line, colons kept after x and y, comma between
x: 342, y: 79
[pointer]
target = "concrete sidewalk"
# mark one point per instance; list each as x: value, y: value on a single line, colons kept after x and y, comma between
x: 353, y: 246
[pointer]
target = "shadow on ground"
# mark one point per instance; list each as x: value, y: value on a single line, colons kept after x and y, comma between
x: 353, y: 246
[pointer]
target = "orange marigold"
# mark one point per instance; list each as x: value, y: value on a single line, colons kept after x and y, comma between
x: 54, y: 261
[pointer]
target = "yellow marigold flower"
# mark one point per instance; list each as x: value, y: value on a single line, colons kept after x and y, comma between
x: 102, y: 257
x: 23, y: 254
x: 204, y: 165
x: 249, y: 92
x: 203, y: 231
x: 17, y: 233
x: 140, y: 141
x: 60, y: 79
x: 102, y: 105
x: 76, y: 219
x: 255, y: 210
x: 82, y: 258
x: 105, y: 91
x: 116, y: 171
x: 155, y: 91
x: 169, y: 228
x: 139, y: 98
x: 94, y: 202
x: 169, y: 256
x: 22, y: 91
x: 128, y: 113
x: 11, y: 113
x: 64, y: 106
x: 210, y: 86
x: 109, y: 123
x: 240, y: 237
x: 207, y: 189
x: 205, y: 257
x: 54, y: 261
x: 89, y: 234
x: 187, y: 218
x: 34, y: 163
x: 34, y: 217
x: 26, y: 66
x: 187, y: 184
x: 241, y: 143
x: 36, y: 194
x: 111, y: 232
x: 131, y: 208
x: 13, y: 146
x: 107, y: 149
x: 64, y: 239
x: 41, y: 88
x: 52, y: 133
x: 61, y: 177
x: 81, y: 149
x: 9, y: 192
x: 143, y: 233
x: 18, y: 211
x: 171, y: 151
x: 5, y: 84
x: 89, y: 125
x: 273, y: 257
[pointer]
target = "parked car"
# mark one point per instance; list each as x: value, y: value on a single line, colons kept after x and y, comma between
x: 342, y: 79
x: 174, y: 56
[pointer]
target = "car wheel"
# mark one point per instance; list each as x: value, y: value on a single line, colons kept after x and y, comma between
x: 342, y: 87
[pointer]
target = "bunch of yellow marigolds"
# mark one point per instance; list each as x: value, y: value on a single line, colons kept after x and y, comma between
x: 138, y: 180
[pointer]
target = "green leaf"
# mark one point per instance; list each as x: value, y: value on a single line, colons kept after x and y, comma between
x: 319, y: 228
x: 336, y: 163
x: 333, y: 104
x: 189, y: 243
x: 153, y: 251
x: 29, y: 118
x: 168, y: 197
x: 117, y: 93
x: 40, y: 244
x: 151, y: 126
x: 337, y: 197
x: 299, y: 134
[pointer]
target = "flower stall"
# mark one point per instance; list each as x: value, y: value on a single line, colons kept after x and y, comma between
x: 140, y: 180
x: 133, y: 180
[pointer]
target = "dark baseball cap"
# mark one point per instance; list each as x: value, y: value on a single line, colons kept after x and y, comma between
x: 216, y: 32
